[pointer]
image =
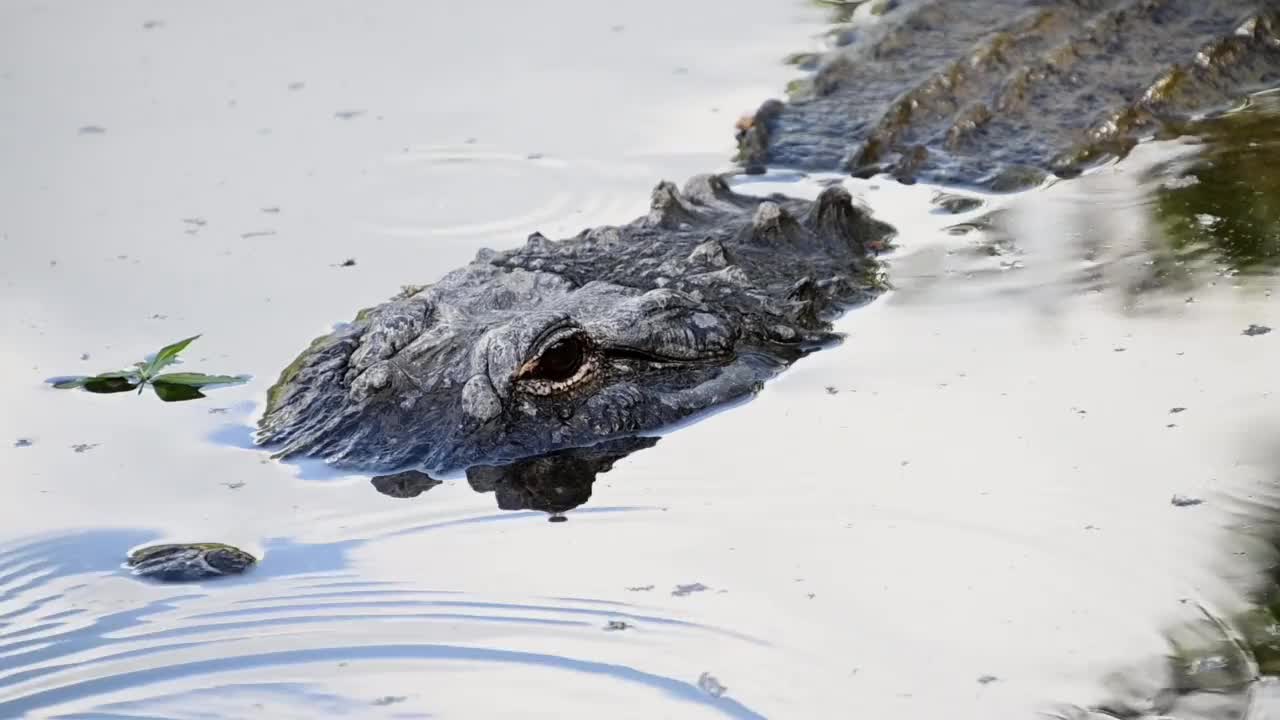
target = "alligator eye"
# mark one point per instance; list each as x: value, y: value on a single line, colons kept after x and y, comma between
x: 562, y: 363
x: 559, y: 362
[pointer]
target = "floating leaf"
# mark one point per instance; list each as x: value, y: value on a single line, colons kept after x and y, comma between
x: 166, y: 356
x: 101, y: 384
x: 174, y: 392
x: 199, y: 379
x: 69, y: 383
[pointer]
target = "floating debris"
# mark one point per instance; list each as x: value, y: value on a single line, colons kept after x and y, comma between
x: 640, y: 588
x: 349, y: 262
x: 683, y: 590
x: 831, y: 390
x: 152, y: 24
x: 1176, y: 410
x: 169, y: 387
x: 710, y: 685
x: 91, y: 130
x: 1253, y: 330
x: 1184, y: 500
x: 987, y: 679
x: 272, y: 210
x: 23, y: 442
x: 297, y: 85
x: 348, y: 114
x: 617, y: 625
x: 257, y: 233
x: 84, y: 447
x: 389, y: 700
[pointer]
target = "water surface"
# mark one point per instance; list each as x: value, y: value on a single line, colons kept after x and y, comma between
x: 962, y: 511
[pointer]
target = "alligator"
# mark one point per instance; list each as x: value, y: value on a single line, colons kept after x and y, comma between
x: 1003, y: 94
x: 615, y: 332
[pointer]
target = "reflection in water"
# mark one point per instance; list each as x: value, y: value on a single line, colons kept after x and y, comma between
x: 1217, y: 665
x: 553, y: 483
x: 407, y: 484
x: 1225, y: 208
x: 1172, y: 220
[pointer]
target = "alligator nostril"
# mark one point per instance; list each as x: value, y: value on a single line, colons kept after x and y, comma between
x: 479, y: 401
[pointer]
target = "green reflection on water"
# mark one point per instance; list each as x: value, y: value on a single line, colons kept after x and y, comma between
x: 1225, y: 208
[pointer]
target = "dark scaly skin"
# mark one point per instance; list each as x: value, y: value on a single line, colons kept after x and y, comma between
x: 685, y: 309
x: 1001, y: 93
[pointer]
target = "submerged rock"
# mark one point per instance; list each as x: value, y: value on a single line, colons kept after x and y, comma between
x: 189, y: 562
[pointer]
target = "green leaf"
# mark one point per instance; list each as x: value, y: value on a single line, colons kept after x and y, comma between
x: 102, y: 384
x: 166, y: 356
x: 131, y: 374
x: 199, y: 379
x: 173, y: 392
x: 69, y: 383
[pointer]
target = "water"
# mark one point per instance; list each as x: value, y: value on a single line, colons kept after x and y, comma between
x: 962, y: 511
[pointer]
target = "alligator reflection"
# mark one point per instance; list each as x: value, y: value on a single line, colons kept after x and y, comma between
x: 553, y: 483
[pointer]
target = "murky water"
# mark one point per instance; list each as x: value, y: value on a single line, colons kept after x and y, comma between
x: 962, y: 511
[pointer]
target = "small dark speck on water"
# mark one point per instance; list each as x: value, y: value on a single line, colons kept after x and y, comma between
x: 1253, y: 330
x: 987, y: 679
x: 84, y: 447
x: 84, y: 356
x: 349, y: 262
x: 1176, y: 410
x: 273, y: 209
x: 1119, y: 349
x: 640, y: 588
x: 683, y: 590
x: 23, y: 442
x: 297, y: 85
x: 534, y: 156
x: 1184, y: 501
x: 348, y: 114
x: 617, y: 625
x: 1172, y: 425
x: 217, y: 411
x: 92, y: 130
x: 389, y: 700
x: 152, y: 24
x: 257, y: 233
x: 710, y: 685
x: 831, y: 390
x: 618, y: 28
x: 234, y: 485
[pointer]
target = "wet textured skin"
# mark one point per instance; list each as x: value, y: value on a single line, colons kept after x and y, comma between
x: 1000, y: 93
x: 612, y: 333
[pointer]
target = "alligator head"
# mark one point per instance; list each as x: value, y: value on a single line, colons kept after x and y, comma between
x: 612, y: 333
